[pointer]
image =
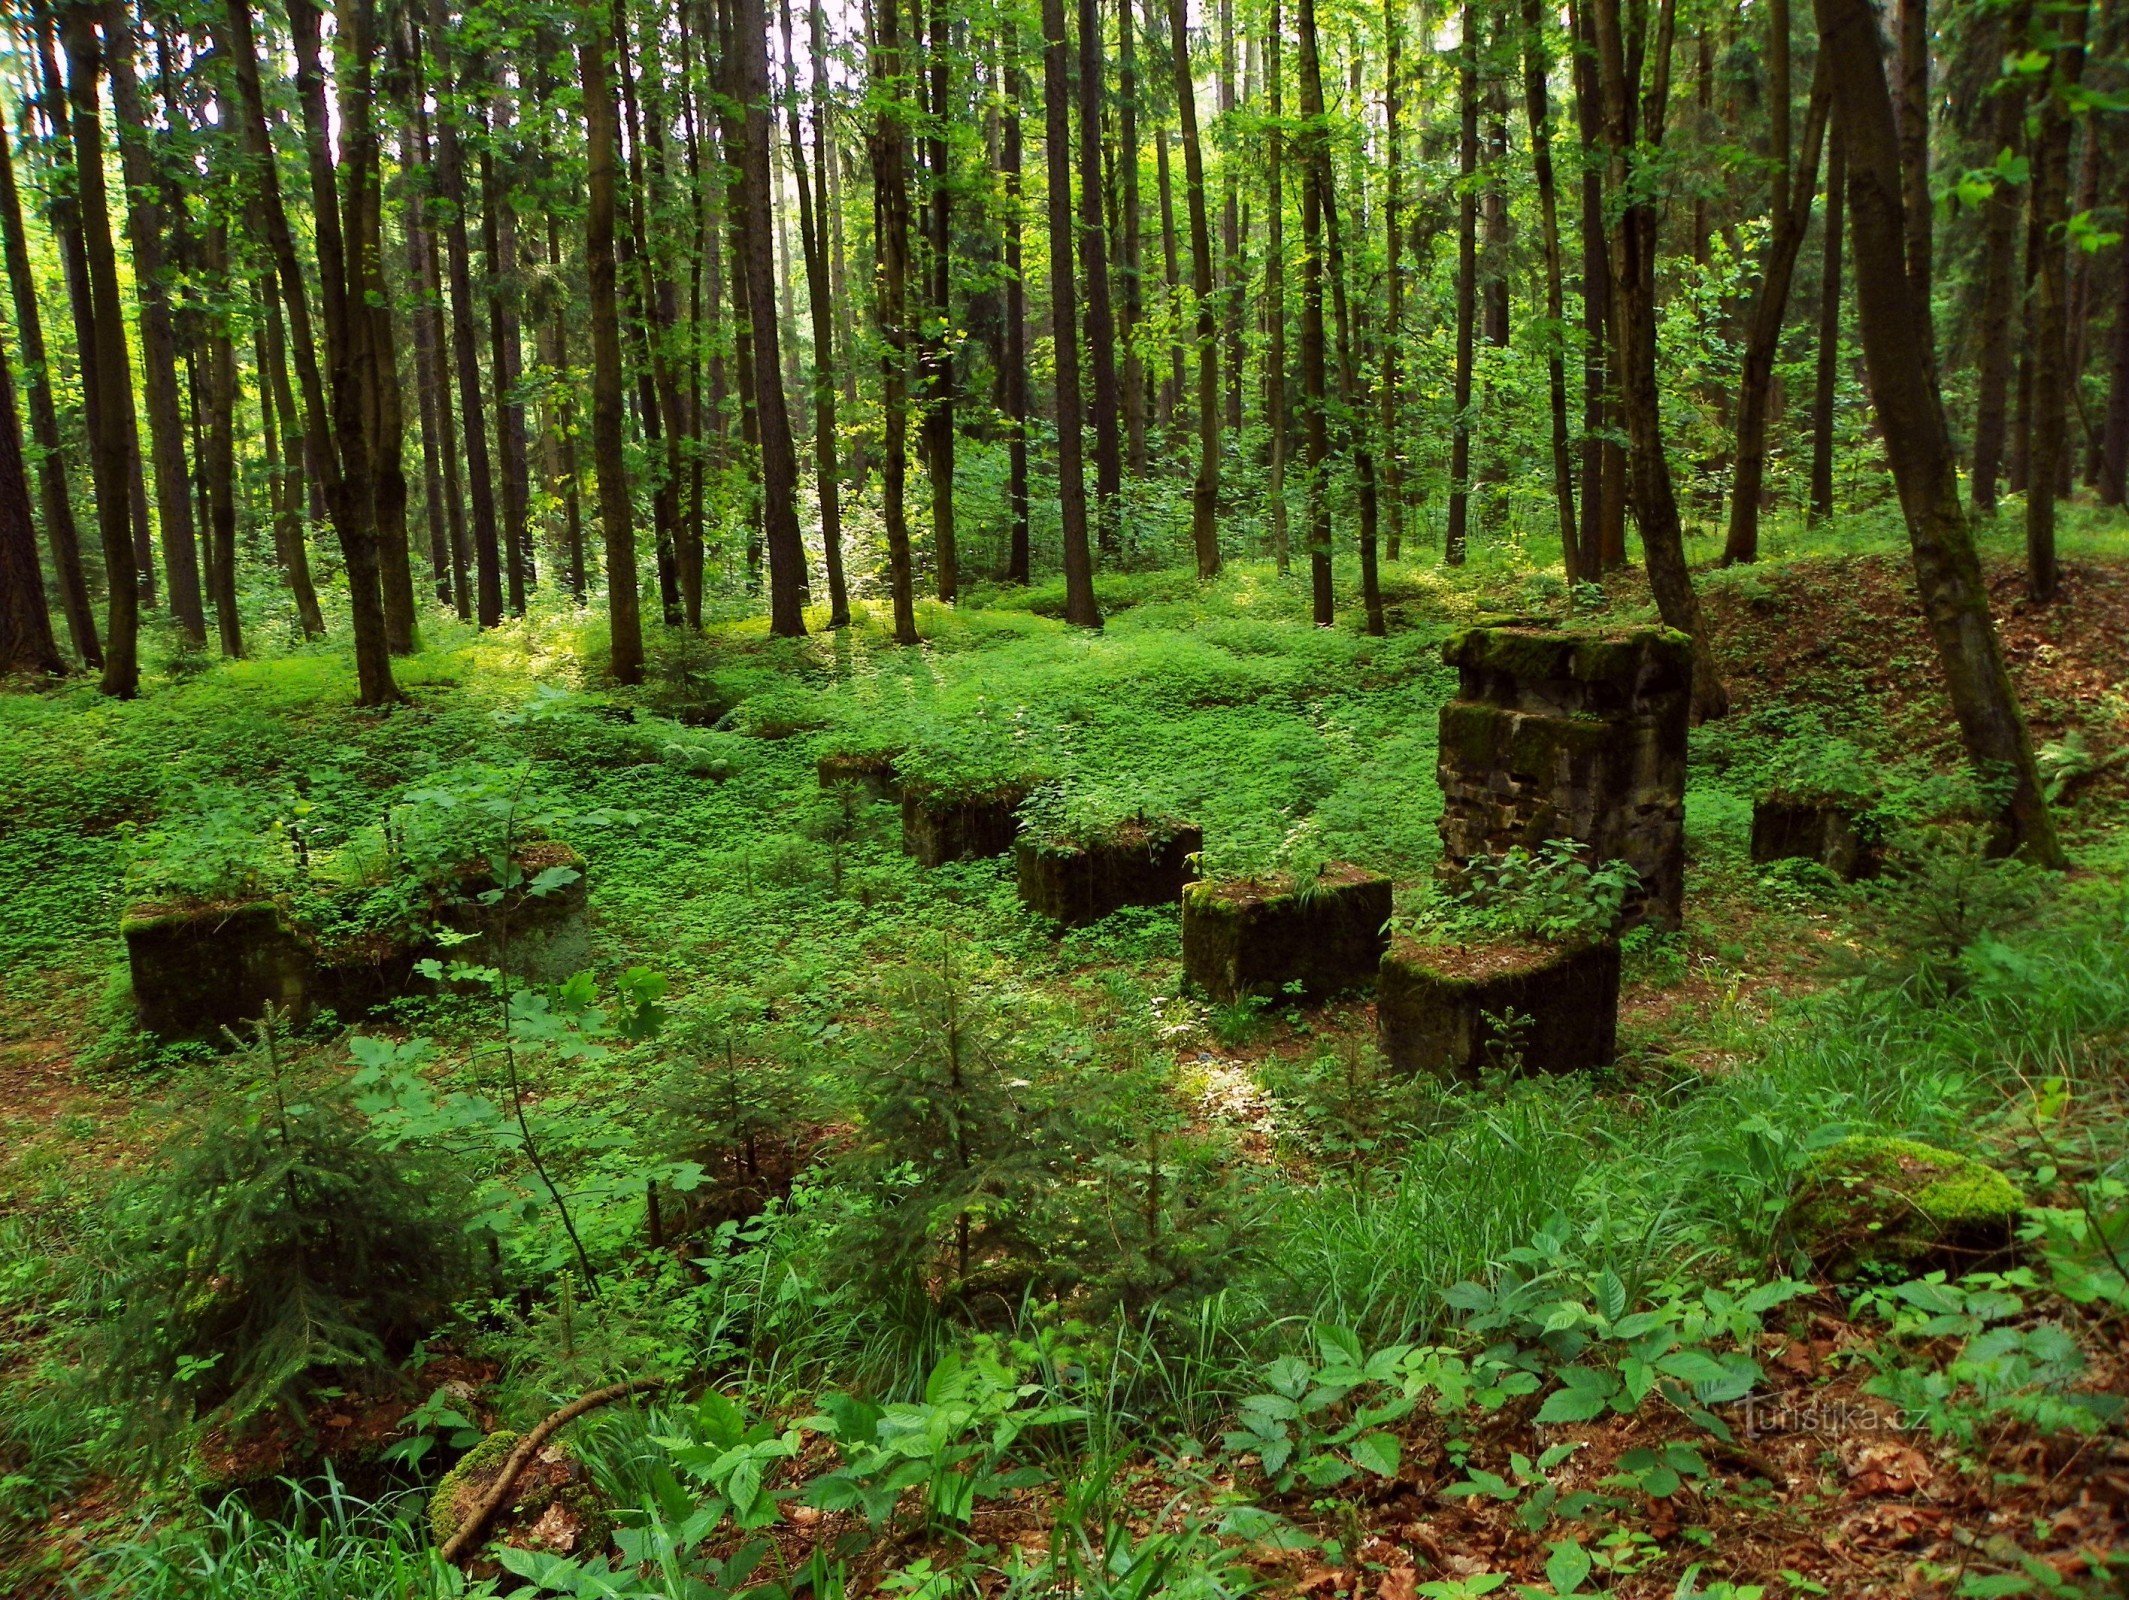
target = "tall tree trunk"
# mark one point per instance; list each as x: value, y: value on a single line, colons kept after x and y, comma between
x: 934, y: 358
x: 1829, y: 352
x: 1911, y: 119
x: 1633, y: 141
x: 2052, y: 376
x: 104, y: 367
x: 26, y: 642
x: 1763, y: 330
x: 219, y: 467
x: 290, y: 547
x: 506, y: 359
x: 1205, y: 489
x: 1130, y: 263
x: 158, y: 336
x: 1230, y: 225
x: 60, y: 531
x: 428, y: 378
x: 1911, y: 416
x: 1315, y: 395
x: 602, y: 118
x: 812, y: 214
x: 2114, y: 443
x: 1080, y: 608
x: 779, y: 460
x: 1394, y: 277
x: 1537, y: 67
x: 1016, y: 314
x: 1999, y: 266
x: 1275, y: 286
x: 1458, y: 534
x: 1093, y: 247
x: 1171, y: 277
x: 890, y: 197
x: 429, y: 326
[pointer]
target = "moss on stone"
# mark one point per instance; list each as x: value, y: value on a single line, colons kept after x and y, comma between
x: 555, y: 1477
x: 1900, y: 1199
x: 458, y: 1490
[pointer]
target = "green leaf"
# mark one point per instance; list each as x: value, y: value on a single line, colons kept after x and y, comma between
x: 1573, y: 1405
x: 1378, y: 1453
x: 1567, y: 1568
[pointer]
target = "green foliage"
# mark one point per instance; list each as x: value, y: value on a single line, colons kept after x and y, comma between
x: 278, y: 1247
x: 1552, y: 893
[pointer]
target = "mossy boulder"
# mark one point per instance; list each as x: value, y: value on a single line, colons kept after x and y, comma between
x: 202, y: 968
x: 1460, y: 1008
x: 1141, y: 861
x: 1259, y: 936
x: 941, y: 825
x: 553, y: 1506
x: 1869, y: 1197
x: 1836, y: 831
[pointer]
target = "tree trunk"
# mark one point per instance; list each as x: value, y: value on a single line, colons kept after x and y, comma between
x: 1911, y: 418
x: 428, y: 377
x: 2114, y: 444
x: 60, y: 531
x: 890, y: 198
x: 609, y: 465
x: 1275, y: 286
x: 506, y: 359
x: 1016, y: 313
x: 104, y: 367
x: 26, y: 642
x: 812, y: 214
x: 1093, y: 246
x: 1130, y: 263
x: 1080, y: 607
x: 1458, y: 534
x: 1230, y: 226
x: 1829, y: 351
x: 1171, y: 277
x: 158, y: 337
x: 1537, y: 67
x: 1633, y: 141
x: 219, y: 465
x: 290, y: 547
x: 1394, y: 277
x: 1911, y: 119
x: 1315, y: 395
x: 934, y: 359
x: 779, y: 460
x: 1763, y: 332
x: 2051, y: 375
x: 1999, y: 268
x: 1205, y: 489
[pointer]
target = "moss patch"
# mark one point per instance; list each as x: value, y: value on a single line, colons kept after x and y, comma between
x: 1905, y: 1201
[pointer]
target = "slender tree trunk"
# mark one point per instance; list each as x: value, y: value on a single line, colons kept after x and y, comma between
x: 1230, y: 227
x: 1537, y: 66
x: 1016, y: 314
x: 1999, y: 268
x: 890, y: 194
x: 429, y: 322
x: 60, y: 531
x: 1130, y: 263
x: 1458, y: 535
x: 779, y: 460
x: 26, y: 642
x: 289, y: 542
x: 1093, y: 248
x: 2114, y: 444
x: 1275, y: 289
x: 1315, y: 395
x: 609, y: 465
x: 1764, y: 330
x: 428, y: 378
x: 1911, y: 416
x: 1911, y: 118
x: 1829, y: 351
x: 220, y: 462
x: 1205, y: 490
x: 506, y: 355
x: 811, y: 215
x: 158, y: 336
x: 104, y: 366
x: 1394, y: 277
x: 1080, y: 608
x: 934, y: 359
x: 2052, y: 376
x: 1171, y: 277
x: 1632, y: 141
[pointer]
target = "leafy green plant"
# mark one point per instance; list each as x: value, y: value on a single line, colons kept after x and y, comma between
x: 1319, y: 1424
x: 1552, y: 892
x: 1947, y: 898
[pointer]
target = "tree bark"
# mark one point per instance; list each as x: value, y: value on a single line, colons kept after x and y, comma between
x: 1763, y: 331
x: 1537, y: 67
x: 158, y: 336
x: 104, y: 367
x: 609, y: 464
x: 219, y: 467
x: 1080, y: 608
x: 1829, y: 352
x: 26, y: 642
x: 934, y: 358
x: 1205, y: 488
x: 1999, y: 268
x: 1016, y: 313
x: 1130, y: 262
x: 812, y: 213
x: 1230, y: 227
x: 1634, y: 138
x: 2114, y: 444
x: 1458, y: 533
x: 890, y: 198
x: 2051, y: 375
x: 1917, y: 441
x: 290, y: 548
x: 506, y: 361
x: 1394, y: 277
x: 779, y: 460
x: 1275, y: 286
x: 60, y: 530
x: 1093, y: 247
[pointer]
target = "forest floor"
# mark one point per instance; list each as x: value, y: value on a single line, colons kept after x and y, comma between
x: 1904, y: 1434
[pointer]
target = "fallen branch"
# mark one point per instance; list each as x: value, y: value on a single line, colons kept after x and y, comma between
x: 476, y: 1521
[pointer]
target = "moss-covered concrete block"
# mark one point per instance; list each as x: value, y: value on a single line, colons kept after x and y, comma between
x: 1570, y: 734
x: 200, y: 969
x: 1870, y: 1197
x: 1258, y: 936
x: 1461, y: 1008
x: 870, y: 770
x: 1138, y: 862
x: 939, y: 826
x: 1828, y: 829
